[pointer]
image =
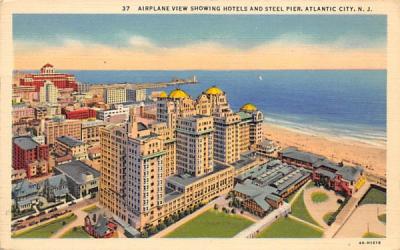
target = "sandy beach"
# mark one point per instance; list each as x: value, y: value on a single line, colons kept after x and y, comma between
x: 351, y: 152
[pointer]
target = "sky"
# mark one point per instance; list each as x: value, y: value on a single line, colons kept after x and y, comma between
x: 202, y: 42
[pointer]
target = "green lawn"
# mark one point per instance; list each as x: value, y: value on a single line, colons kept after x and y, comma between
x: 327, y: 216
x: 90, y: 209
x: 300, y: 211
x: 291, y: 196
x: 372, y: 235
x: 374, y: 196
x: 311, y: 185
x: 318, y: 197
x: 211, y: 224
x: 289, y: 228
x: 382, y: 218
x: 79, y: 232
x: 46, y: 230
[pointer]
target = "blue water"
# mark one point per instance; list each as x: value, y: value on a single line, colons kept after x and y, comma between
x: 348, y: 103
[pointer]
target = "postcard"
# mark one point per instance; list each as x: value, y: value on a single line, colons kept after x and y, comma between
x: 191, y: 124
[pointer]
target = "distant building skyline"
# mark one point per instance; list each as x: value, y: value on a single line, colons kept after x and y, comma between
x: 211, y: 42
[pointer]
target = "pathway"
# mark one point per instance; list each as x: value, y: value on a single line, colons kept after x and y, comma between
x: 306, y: 222
x: 364, y: 218
x: 78, y: 222
x: 255, y: 228
x: 318, y: 210
x: 346, y: 212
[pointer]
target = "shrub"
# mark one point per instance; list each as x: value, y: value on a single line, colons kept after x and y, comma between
x: 241, y: 211
x: 339, y: 201
x: 144, y: 234
x: 74, y: 229
x: 161, y: 226
x: 215, y: 206
x: 233, y: 211
x: 153, y: 230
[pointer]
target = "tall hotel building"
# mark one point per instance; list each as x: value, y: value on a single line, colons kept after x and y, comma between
x: 177, y: 162
x: 48, y: 93
x: 114, y: 95
x: 113, y: 140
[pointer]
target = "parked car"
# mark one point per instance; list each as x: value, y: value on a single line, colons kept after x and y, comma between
x: 52, y: 210
x: 30, y: 217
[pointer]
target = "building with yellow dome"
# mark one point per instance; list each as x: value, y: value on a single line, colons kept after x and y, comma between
x: 163, y: 94
x: 248, y: 107
x: 178, y: 94
x: 189, y: 156
x: 214, y: 90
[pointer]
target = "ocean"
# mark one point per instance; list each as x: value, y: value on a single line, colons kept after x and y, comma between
x: 343, y: 103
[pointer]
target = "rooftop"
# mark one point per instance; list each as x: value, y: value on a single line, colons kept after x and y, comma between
x: 25, y: 142
x: 24, y: 188
x: 76, y: 169
x: 350, y: 173
x: 186, y: 179
x: 171, y: 194
x: 69, y: 141
x: 294, y: 153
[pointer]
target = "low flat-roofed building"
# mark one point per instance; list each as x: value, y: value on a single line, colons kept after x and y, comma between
x: 248, y: 160
x: 263, y: 188
x: 340, y: 178
x: 292, y: 155
x: 185, y: 191
x: 265, y: 147
x: 69, y: 145
x: 82, y: 180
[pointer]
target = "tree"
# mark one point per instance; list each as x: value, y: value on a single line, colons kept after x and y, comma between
x: 144, y: 234
x: 153, y: 230
x: 161, y: 226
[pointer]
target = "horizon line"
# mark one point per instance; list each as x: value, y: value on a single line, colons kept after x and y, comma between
x: 341, y: 69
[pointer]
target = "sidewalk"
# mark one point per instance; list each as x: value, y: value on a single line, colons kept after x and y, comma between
x: 346, y: 212
x: 79, y: 221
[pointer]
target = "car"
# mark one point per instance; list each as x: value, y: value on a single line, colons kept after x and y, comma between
x: 52, y: 210
x: 30, y: 217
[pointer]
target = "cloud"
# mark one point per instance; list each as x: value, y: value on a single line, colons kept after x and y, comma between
x: 140, y: 42
x: 292, y: 51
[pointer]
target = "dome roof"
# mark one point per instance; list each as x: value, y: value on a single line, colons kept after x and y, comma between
x: 178, y: 94
x: 214, y: 90
x: 163, y: 94
x: 249, y: 107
